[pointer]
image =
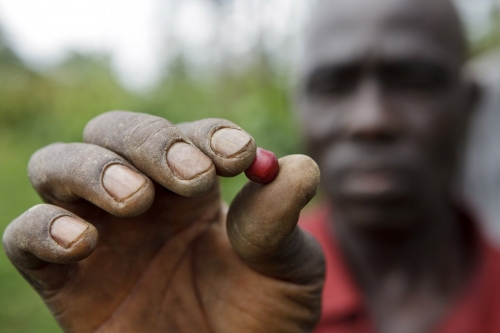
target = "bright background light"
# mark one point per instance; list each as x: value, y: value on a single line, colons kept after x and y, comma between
x: 142, y: 35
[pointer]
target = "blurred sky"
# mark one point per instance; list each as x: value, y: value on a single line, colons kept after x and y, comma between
x: 136, y: 33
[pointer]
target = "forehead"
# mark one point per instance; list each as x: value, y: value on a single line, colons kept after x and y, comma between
x: 356, y: 30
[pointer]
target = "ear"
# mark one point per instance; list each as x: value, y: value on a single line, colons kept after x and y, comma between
x: 473, y: 91
x: 474, y: 95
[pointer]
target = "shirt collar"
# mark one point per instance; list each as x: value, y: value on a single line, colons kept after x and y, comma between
x: 341, y: 298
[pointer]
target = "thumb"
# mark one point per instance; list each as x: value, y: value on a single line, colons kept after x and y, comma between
x: 262, y: 223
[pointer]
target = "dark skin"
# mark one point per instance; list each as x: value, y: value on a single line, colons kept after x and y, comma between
x: 384, y: 105
x: 135, y: 236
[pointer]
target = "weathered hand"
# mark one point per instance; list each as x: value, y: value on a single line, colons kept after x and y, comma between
x: 170, y: 256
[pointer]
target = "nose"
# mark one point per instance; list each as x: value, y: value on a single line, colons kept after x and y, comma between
x: 371, y: 118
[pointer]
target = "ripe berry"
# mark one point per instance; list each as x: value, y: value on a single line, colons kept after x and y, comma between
x: 264, y: 167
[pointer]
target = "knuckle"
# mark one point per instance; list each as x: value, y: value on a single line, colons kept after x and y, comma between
x: 15, y: 232
x: 46, y: 158
x: 152, y: 133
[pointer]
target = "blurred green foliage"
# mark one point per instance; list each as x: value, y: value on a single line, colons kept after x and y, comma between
x: 37, y: 109
x: 491, y: 40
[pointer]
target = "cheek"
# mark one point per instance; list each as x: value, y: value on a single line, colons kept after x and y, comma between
x: 321, y: 121
x: 322, y: 130
x: 433, y: 124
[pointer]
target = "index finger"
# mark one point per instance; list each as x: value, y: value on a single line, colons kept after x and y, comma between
x: 157, y: 148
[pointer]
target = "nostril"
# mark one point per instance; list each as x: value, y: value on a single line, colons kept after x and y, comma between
x: 379, y: 136
x: 385, y: 137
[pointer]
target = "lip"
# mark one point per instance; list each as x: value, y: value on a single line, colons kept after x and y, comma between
x: 374, y: 187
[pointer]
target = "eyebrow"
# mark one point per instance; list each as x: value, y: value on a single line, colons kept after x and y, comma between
x: 342, y: 69
x: 411, y: 62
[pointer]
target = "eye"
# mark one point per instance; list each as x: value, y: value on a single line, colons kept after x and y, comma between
x: 415, y: 77
x: 332, y: 82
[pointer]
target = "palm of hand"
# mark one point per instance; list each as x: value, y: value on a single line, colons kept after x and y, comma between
x: 181, y: 274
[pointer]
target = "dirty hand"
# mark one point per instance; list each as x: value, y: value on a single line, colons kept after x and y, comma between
x: 134, y: 236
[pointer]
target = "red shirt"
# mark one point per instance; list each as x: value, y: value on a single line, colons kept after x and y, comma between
x: 477, y: 310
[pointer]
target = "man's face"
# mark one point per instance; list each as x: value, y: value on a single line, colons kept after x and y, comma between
x: 383, y: 107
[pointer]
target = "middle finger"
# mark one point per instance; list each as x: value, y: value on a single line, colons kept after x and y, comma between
x: 157, y: 148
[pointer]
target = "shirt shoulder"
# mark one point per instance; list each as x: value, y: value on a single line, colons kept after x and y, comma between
x: 315, y: 221
x: 342, y: 302
x: 478, y: 308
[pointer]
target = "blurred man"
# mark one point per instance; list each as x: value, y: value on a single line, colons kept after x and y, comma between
x: 384, y: 105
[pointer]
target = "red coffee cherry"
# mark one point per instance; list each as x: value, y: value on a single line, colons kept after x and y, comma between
x: 264, y: 167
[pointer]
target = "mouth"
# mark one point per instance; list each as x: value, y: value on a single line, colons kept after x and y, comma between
x: 377, y: 187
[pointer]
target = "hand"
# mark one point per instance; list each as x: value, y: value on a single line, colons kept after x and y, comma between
x: 170, y: 256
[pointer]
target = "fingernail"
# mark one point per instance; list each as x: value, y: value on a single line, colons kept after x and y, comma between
x: 121, y: 182
x: 229, y: 142
x: 66, y: 230
x: 187, y: 162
